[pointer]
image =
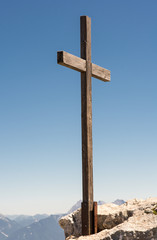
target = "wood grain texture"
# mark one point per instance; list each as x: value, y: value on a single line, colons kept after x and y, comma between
x: 95, y: 206
x: 71, y: 61
x: 87, y: 149
x: 79, y: 64
x: 86, y: 110
x: 100, y: 73
x: 85, y: 32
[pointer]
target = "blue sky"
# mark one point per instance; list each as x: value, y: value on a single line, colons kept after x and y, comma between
x: 40, y: 103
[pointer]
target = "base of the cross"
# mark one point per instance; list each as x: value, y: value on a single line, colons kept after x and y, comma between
x: 89, y: 218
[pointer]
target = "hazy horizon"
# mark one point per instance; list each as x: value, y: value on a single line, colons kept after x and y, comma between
x: 53, y: 213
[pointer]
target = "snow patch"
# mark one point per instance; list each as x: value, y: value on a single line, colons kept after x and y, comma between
x: 4, y: 234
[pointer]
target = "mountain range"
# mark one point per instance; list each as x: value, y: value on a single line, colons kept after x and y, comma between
x: 45, y: 229
x: 7, y: 227
x: 38, y: 227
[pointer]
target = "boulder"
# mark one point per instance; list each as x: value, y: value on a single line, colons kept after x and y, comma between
x: 135, y: 219
x: 71, y: 223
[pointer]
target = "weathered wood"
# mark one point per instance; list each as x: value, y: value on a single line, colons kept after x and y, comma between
x: 85, y: 216
x: 88, y: 70
x: 79, y: 64
x: 100, y: 73
x: 85, y: 23
x: 71, y: 61
x: 95, y: 217
x: 86, y: 108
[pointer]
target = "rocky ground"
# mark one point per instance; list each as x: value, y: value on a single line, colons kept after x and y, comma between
x: 135, y: 219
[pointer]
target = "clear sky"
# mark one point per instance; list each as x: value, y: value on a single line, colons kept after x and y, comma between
x: 40, y: 103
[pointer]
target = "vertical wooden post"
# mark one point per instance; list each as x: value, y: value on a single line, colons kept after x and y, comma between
x: 95, y: 218
x: 86, y: 111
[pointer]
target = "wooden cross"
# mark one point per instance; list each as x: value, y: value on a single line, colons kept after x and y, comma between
x: 88, y: 70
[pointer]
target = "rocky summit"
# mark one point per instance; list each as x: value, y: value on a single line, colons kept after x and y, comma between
x: 135, y: 219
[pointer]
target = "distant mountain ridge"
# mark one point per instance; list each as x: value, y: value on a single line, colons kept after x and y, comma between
x: 25, y: 220
x: 119, y: 202
x: 45, y: 229
x: 37, y: 227
x: 7, y: 227
x: 100, y: 202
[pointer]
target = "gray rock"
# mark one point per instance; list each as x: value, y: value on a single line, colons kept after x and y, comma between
x: 135, y: 219
x: 72, y: 223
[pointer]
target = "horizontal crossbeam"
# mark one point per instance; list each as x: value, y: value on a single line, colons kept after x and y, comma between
x: 79, y: 64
